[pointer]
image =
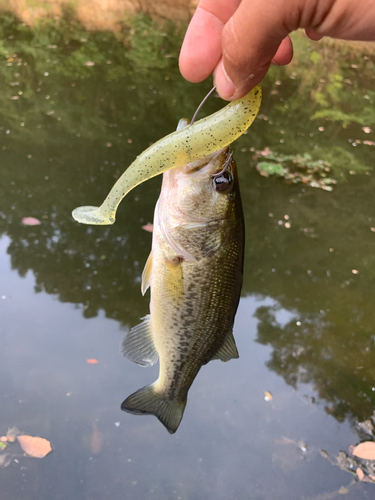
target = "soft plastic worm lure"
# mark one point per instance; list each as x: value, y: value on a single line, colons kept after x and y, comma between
x: 188, y: 144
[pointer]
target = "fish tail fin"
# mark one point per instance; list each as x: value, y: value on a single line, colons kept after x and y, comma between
x: 147, y: 401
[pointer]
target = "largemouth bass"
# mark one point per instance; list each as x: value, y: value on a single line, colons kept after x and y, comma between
x: 175, y: 150
x: 195, y: 275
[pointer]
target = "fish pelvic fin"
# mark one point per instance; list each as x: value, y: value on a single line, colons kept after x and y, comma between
x: 138, y: 345
x: 147, y: 401
x: 228, y: 350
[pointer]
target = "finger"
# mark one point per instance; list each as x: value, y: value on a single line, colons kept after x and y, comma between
x: 313, y: 35
x: 284, y: 53
x: 201, y: 49
x: 251, y: 39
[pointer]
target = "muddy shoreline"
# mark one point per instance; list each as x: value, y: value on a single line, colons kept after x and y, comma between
x: 100, y: 14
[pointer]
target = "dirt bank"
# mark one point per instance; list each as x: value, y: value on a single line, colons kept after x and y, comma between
x: 100, y: 14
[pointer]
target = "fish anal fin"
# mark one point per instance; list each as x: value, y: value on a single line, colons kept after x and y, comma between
x: 148, y: 401
x: 146, y: 275
x: 138, y: 345
x: 228, y: 350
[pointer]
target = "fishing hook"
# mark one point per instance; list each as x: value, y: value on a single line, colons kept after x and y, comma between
x: 226, y: 165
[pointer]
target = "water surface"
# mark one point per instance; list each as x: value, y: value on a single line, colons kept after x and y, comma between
x: 68, y: 293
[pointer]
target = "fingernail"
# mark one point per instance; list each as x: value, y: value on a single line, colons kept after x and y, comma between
x: 224, y: 85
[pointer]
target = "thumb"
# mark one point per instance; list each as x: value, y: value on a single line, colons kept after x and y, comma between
x: 250, y: 40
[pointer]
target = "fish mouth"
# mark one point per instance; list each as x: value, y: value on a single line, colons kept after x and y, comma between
x: 203, y: 165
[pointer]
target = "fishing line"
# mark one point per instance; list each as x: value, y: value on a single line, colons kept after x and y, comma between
x: 201, y: 104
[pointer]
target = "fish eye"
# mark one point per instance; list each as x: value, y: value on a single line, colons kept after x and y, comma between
x: 223, y: 182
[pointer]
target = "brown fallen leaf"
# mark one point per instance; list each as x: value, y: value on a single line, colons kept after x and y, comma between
x: 360, y: 474
x: 365, y: 450
x: 92, y: 361
x: 37, y: 447
x: 284, y: 440
x: 148, y: 227
x: 96, y: 439
x: 5, y: 460
x: 267, y: 396
x: 343, y: 490
x: 30, y: 221
x: 11, y: 434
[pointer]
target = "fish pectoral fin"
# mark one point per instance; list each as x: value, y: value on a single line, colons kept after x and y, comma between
x: 147, y: 401
x: 138, y: 345
x: 228, y: 350
x: 146, y: 275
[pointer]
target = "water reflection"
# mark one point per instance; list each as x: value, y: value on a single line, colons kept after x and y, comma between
x: 307, y: 268
x: 323, y: 346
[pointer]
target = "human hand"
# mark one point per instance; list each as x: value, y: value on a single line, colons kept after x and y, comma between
x: 237, y: 40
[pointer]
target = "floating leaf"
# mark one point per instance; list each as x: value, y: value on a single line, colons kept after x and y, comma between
x: 37, y: 447
x: 267, y: 396
x: 31, y: 221
x: 148, y: 227
x: 284, y: 440
x: 92, y: 361
x: 360, y: 474
x: 11, y: 434
x: 268, y: 168
x: 96, y: 442
x: 5, y: 460
x: 365, y: 450
x: 343, y: 490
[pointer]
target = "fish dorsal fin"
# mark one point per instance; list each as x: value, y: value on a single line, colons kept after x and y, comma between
x: 146, y: 275
x: 138, y: 345
x: 228, y: 350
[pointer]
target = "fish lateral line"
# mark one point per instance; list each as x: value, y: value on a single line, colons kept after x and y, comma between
x: 182, y: 146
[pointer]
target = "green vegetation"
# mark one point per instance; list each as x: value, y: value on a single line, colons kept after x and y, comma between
x: 297, y: 168
x: 326, y: 74
x: 59, y: 56
x: 313, y: 172
x: 320, y: 94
